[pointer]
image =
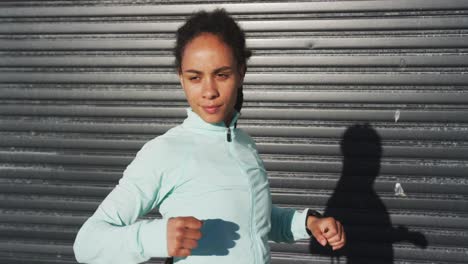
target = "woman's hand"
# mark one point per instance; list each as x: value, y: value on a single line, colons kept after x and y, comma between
x: 327, y: 231
x: 183, y: 234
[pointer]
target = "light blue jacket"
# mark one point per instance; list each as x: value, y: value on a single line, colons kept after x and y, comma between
x: 208, y: 171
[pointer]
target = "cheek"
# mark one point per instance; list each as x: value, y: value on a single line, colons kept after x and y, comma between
x: 233, y: 96
x: 189, y: 91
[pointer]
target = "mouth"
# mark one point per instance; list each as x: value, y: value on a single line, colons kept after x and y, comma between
x: 211, y: 109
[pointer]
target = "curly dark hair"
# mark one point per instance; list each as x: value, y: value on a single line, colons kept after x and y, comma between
x: 219, y: 23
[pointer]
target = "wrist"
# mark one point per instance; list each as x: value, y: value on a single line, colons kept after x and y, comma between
x: 311, y: 217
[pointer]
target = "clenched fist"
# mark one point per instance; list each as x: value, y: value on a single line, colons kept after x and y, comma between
x: 327, y: 231
x: 183, y: 234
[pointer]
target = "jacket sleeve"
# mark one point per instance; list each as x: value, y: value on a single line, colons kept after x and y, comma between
x: 287, y: 225
x: 113, y: 234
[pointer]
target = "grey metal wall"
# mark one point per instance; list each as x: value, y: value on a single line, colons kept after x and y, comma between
x: 83, y: 84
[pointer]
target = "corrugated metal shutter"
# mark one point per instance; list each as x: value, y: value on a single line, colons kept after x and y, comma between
x: 337, y: 94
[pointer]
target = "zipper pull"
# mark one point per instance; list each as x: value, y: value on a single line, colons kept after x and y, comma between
x: 229, y: 134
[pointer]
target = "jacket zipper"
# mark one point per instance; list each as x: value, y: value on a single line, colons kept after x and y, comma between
x: 228, y: 134
x: 252, y: 228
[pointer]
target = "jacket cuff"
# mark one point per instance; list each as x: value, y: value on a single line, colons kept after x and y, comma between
x: 153, y: 238
x: 298, y: 227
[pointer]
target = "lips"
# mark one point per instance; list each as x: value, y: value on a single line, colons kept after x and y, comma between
x: 211, y: 109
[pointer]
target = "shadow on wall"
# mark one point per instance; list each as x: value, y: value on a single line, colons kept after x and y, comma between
x: 370, y: 233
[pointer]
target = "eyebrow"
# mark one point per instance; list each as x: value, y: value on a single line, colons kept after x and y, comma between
x: 218, y: 70
x: 221, y: 69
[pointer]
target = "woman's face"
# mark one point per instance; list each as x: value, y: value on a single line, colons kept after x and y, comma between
x: 210, y: 78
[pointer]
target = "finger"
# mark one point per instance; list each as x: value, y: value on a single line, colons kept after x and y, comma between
x: 340, y: 229
x: 193, y: 234
x: 329, y: 228
x: 333, y: 240
x: 175, y: 246
x: 189, y: 244
x: 341, y: 232
x: 191, y: 222
x: 342, y: 241
x: 343, y: 237
x: 317, y: 233
x: 338, y: 236
x: 183, y: 252
x: 338, y: 245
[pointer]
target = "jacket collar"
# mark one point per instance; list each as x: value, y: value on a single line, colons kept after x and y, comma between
x: 193, y: 120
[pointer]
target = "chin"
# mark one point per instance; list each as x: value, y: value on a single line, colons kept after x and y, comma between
x: 212, y: 119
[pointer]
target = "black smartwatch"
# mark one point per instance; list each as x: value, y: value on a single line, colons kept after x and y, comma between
x: 314, y: 214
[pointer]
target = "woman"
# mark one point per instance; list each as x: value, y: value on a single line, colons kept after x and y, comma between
x: 205, y: 175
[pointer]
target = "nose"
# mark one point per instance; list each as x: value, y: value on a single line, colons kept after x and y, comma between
x: 210, y: 90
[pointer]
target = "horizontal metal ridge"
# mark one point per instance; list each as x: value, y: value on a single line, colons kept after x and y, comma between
x: 405, y: 115
x: 249, y: 88
x: 44, y: 232
x: 59, y: 175
x: 393, y: 132
x: 397, y: 61
x: 110, y: 176
x: 35, y: 258
x: 452, y: 222
x: 176, y: 94
x: 297, y: 258
x: 411, y: 204
x: 390, y: 168
x: 85, y: 127
x: 422, y: 220
x: 55, y: 189
x: 429, y: 169
x: 386, y: 133
x: 368, y: 251
x: 418, y: 187
x: 37, y: 247
x: 356, y: 97
x: 41, y: 218
x: 371, y: 24
x: 235, y: 8
x: 50, y: 203
x: 434, y: 237
x: 70, y: 143
x: 250, y: 78
x: 444, y: 116
x: 417, y: 219
x: 38, y: 202
x: 298, y: 43
x: 250, y: 95
x: 60, y: 158
x: 360, y: 195
x: 427, y: 152
x: 389, y: 150
x: 83, y: 174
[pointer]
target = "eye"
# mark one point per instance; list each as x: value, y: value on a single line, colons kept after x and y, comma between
x: 222, y: 76
x: 194, y: 78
